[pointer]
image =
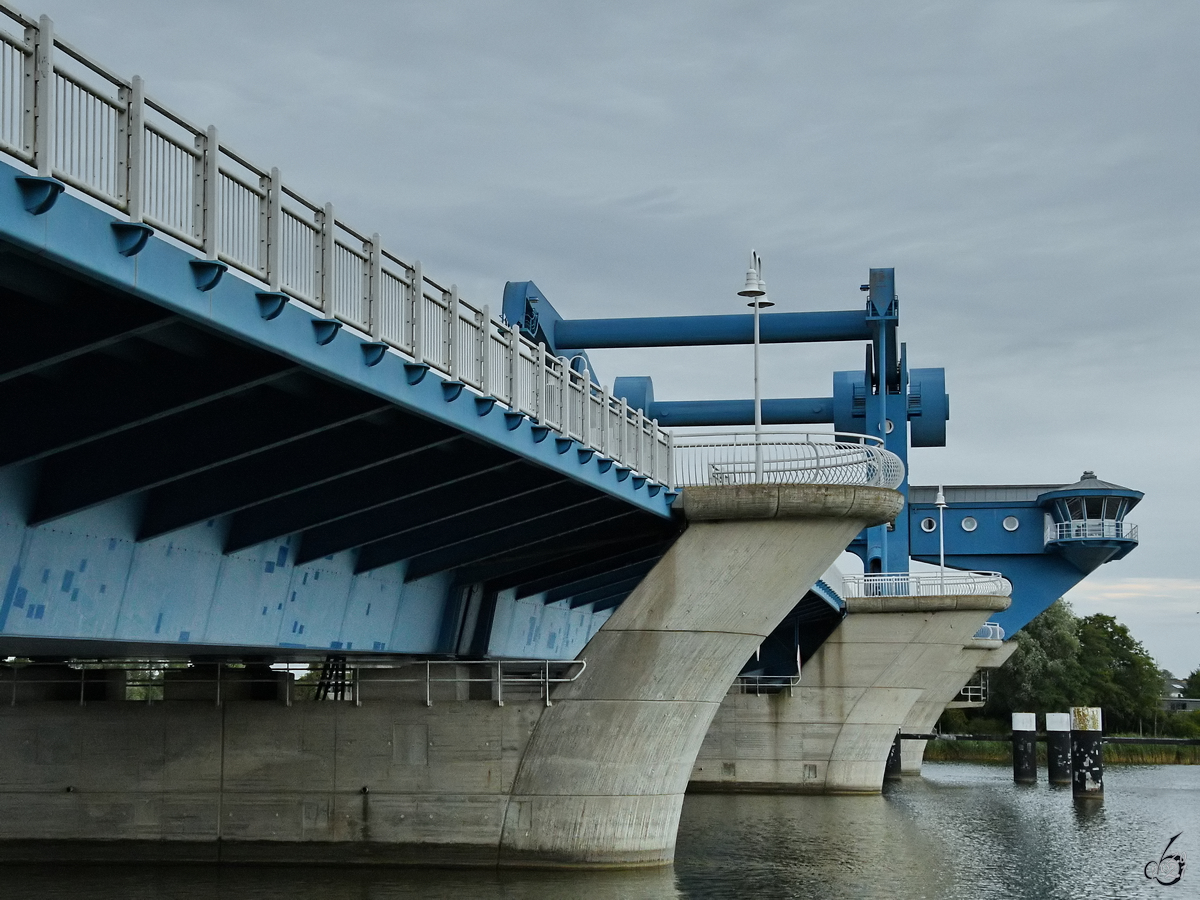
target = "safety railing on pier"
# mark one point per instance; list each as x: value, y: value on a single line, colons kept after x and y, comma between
x: 990, y: 631
x: 157, y: 680
x: 785, y: 457
x: 927, y: 584
x: 70, y: 118
x: 1093, y: 528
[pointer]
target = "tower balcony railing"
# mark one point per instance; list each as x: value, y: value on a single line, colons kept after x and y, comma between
x: 927, y: 584
x: 1091, y: 528
x: 785, y: 457
x: 69, y: 118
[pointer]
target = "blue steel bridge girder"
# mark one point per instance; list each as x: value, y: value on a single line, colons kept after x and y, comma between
x: 193, y: 478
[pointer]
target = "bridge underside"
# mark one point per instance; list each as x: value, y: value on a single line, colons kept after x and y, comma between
x: 169, y: 490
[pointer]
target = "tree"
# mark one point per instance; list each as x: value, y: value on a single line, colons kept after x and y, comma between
x: 1043, y: 674
x: 1191, y: 686
x: 1063, y: 661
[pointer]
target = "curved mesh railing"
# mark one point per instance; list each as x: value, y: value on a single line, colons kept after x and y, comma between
x: 70, y: 118
x: 927, y: 584
x: 1092, y: 529
x: 784, y: 457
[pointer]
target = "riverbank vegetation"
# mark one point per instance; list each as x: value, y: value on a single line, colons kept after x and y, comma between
x: 1063, y: 660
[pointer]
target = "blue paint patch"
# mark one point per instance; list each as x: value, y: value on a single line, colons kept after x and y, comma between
x: 281, y: 558
x: 19, y: 599
x: 170, y: 548
x: 9, y: 593
x: 269, y: 567
x: 317, y: 575
x: 75, y: 595
x: 293, y: 646
x: 112, y: 544
x: 45, y: 576
x: 305, y: 581
x: 349, y: 645
x: 83, y: 565
x: 335, y: 645
x: 264, y: 610
x: 158, y: 624
x: 379, y: 645
x: 29, y: 612
x: 552, y: 640
x: 302, y: 629
x: 280, y: 605
x: 293, y: 599
x: 40, y: 610
x: 295, y: 625
x: 68, y: 577
x: 103, y: 588
x: 185, y: 636
x: 368, y: 612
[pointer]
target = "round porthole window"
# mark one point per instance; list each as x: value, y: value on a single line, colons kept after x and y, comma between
x: 928, y: 525
x: 1011, y: 523
x: 890, y: 426
x: 969, y: 523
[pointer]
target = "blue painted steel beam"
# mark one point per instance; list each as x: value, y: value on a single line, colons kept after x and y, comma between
x: 800, y: 411
x: 547, y: 578
x: 78, y: 236
x: 694, y: 331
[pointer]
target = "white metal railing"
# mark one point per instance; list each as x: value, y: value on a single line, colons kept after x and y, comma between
x: 785, y: 457
x: 951, y: 583
x: 1091, y: 528
x: 975, y: 690
x: 990, y: 631
x: 72, y: 119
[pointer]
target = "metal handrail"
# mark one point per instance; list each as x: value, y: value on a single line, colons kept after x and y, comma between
x: 99, y: 134
x: 530, y: 672
x: 990, y: 631
x: 785, y: 457
x: 926, y: 584
x: 1092, y: 528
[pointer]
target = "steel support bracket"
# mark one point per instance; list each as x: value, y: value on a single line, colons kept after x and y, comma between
x: 131, y: 237
x: 270, y: 303
x: 207, y: 273
x: 325, y: 330
x: 39, y: 192
x: 373, y: 352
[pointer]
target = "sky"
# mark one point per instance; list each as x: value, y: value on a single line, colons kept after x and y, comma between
x: 1028, y: 168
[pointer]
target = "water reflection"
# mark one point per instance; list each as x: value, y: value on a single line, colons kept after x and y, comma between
x: 961, y: 831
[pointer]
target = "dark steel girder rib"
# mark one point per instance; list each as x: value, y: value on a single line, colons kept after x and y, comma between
x: 622, y: 588
x: 636, y: 571
x: 542, y: 579
x: 449, y: 461
x: 357, y: 447
x: 191, y: 442
x: 473, y: 496
x: 564, y: 524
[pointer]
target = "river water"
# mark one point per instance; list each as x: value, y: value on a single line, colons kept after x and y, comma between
x: 961, y: 831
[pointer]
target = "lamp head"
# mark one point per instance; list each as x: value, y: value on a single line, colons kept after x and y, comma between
x: 754, y: 283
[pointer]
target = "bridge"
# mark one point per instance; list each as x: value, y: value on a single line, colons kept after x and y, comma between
x: 247, y: 436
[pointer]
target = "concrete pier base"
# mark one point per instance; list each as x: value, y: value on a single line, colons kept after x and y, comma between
x: 977, y: 654
x: 833, y: 731
x: 596, y: 779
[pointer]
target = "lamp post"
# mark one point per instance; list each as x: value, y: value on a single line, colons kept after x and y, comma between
x: 940, y: 503
x: 756, y: 290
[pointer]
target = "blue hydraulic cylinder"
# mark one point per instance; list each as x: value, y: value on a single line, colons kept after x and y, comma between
x: 695, y: 331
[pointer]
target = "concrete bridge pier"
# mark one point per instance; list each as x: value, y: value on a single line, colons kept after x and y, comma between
x: 603, y: 779
x: 978, y: 653
x: 832, y: 732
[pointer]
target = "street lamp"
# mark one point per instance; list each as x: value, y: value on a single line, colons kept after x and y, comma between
x: 940, y: 503
x: 756, y: 290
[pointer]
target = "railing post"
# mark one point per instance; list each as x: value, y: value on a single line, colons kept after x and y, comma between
x: 325, y: 261
x: 539, y: 400
x: 546, y: 670
x: 514, y: 366
x: 418, y: 313
x: 374, y: 287
x: 209, y: 170
x: 452, y: 363
x: 218, y: 684
x: 135, y: 153
x: 605, y: 421
x: 42, y: 109
x: 671, y: 460
x: 485, y: 351
x: 586, y: 418
x: 428, y: 698
x: 499, y: 682
x: 564, y: 389
x: 624, y: 457
x: 271, y: 231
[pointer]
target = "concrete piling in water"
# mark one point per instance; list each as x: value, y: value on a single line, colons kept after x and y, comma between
x: 1087, y: 753
x: 1058, y: 748
x: 1024, y: 748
